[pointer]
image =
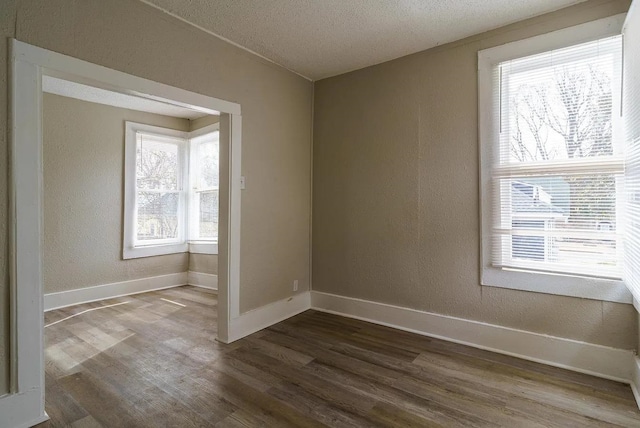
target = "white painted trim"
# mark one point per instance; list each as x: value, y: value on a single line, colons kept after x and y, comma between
x: 132, y: 249
x: 634, y: 10
x: 116, y: 289
x: 265, y: 316
x: 202, y: 247
x: 582, y: 33
x: 203, y: 280
x: 635, y: 379
x: 584, y: 287
x: 235, y: 216
x: 488, y: 59
x: 22, y: 410
x: 76, y: 70
x: 25, y: 402
x: 589, y: 358
x: 26, y: 332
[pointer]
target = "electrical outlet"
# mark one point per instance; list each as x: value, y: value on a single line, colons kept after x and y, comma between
x: 295, y: 285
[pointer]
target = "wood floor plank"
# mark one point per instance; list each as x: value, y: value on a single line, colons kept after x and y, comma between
x: 330, y: 357
x: 102, y: 402
x: 440, y: 408
x: 391, y: 416
x: 153, y: 360
x: 323, y: 411
x: 273, y: 411
x: 246, y: 373
x: 63, y: 408
x: 614, y: 412
x: 322, y: 388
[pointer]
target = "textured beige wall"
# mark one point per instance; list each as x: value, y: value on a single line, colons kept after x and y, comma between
x: 276, y: 107
x: 83, y: 176
x: 201, y: 122
x: 84, y: 195
x: 203, y: 263
x: 395, y: 191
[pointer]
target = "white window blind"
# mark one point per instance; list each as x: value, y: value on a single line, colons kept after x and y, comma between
x: 557, y: 174
x: 631, y: 114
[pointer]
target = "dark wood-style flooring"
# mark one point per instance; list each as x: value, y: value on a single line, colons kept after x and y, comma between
x: 151, y: 360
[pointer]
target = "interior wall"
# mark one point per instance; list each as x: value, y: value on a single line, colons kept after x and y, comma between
x: 84, y: 179
x: 135, y: 38
x: 83, y: 148
x: 201, y: 122
x: 203, y: 263
x: 396, y: 197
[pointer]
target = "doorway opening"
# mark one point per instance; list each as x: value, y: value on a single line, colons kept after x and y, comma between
x: 40, y: 77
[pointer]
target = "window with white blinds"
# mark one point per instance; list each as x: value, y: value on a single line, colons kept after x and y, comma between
x: 631, y: 114
x: 558, y: 171
x: 553, y: 164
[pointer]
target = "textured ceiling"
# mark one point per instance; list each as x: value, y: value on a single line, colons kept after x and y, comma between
x: 323, y: 38
x: 82, y: 92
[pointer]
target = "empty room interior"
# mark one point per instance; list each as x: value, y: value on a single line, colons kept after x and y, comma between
x: 332, y: 213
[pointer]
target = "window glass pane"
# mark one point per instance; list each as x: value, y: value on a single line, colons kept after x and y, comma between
x: 157, y: 215
x: 559, y: 104
x: 562, y: 221
x: 559, y: 169
x: 208, y: 162
x: 157, y: 164
x: 208, y: 216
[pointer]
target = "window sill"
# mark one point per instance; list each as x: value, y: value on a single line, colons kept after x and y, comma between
x: 153, y: 250
x: 607, y: 290
x: 203, y: 247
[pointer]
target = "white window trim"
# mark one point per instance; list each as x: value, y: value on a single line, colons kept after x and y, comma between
x: 131, y: 248
x: 199, y: 246
x: 488, y: 59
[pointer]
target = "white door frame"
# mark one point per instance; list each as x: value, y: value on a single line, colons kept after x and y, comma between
x: 24, y: 406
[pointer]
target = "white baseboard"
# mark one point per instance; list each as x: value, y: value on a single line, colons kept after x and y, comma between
x: 635, y: 379
x: 17, y: 410
x: 116, y: 289
x: 265, y: 316
x: 597, y: 360
x: 203, y: 280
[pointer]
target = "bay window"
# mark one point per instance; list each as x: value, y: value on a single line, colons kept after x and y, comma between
x: 171, y: 191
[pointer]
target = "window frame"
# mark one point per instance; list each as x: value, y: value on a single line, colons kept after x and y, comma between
x: 488, y: 106
x: 196, y: 245
x: 131, y: 248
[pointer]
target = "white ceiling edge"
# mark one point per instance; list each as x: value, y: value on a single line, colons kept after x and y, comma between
x: 224, y: 39
x: 65, y: 88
